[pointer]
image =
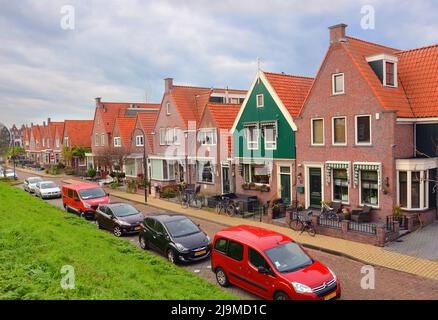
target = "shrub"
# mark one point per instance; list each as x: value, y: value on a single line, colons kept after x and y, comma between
x: 91, y: 172
x: 114, y: 185
x: 69, y: 171
x: 169, y: 191
x: 132, y: 186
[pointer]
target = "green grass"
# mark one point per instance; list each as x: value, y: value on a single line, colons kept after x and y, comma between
x: 37, y: 239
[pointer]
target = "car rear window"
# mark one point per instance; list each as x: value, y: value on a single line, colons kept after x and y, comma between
x: 235, y: 251
x: 221, y: 245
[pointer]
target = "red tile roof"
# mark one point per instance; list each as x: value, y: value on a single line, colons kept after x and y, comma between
x: 191, y: 101
x: 418, y: 74
x: 53, y: 128
x: 125, y: 126
x: 79, y: 132
x: 292, y: 90
x: 147, y: 121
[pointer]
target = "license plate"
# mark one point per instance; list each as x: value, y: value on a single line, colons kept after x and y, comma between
x: 330, y: 296
x: 137, y: 228
x: 200, y: 253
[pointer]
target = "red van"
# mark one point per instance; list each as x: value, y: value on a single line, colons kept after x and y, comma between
x: 270, y: 265
x: 83, y: 198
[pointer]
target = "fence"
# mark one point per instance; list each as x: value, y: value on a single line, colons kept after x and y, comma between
x: 402, y: 220
x: 330, y: 223
x: 368, y: 228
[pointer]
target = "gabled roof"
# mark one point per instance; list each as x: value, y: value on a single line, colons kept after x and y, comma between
x: 125, y: 126
x: 147, y: 121
x: 292, y: 90
x: 191, y: 101
x: 418, y: 74
x: 223, y: 114
x: 53, y: 128
x: 79, y: 132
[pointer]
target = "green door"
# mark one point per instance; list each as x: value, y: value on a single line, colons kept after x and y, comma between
x: 315, y: 187
x: 285, y: 184
x: 225, y: 180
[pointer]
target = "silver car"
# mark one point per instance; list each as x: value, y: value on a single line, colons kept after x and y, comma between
x: 30, y: 184
x: 47, y: 190
x: 9, y: 173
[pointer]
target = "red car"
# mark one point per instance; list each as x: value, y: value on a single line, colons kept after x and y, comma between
x: 270, y: 265
x: 83, y: 198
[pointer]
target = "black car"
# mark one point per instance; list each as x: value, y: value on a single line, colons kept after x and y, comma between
x: 176, y: 236
x: 120, y: 218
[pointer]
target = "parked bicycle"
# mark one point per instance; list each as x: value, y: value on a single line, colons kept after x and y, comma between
x: 227, y: 206
x: 330, y: 213
x: 302, y: 222
x: 191, y: 198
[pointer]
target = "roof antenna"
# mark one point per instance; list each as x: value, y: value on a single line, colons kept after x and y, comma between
x: 258, y: 63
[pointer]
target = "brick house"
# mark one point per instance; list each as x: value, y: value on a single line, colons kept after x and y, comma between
x: 102, y: 136
x: 54, y: 145
x: 34, y: 150
x: 356, y: 129
x: 77, y: 133
x: 214, y: 160
x: 144, y: 126
x: 16, y: 136
x: 264, y: 136
x: 176, y: 129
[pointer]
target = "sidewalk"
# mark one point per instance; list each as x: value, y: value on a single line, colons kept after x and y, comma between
x: 364, y: 253
x: 41, y: 173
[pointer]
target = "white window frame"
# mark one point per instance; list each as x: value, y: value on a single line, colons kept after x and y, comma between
x: 424, y: 194
x: 252, y: 145
x: 385, y: 84
x: 273, y: 142
x: 333, y: 132
x: 57, y: 143
x: 177, y: 136
x: 204, y: 132
x: 170, y: 136
x: 262, y: 104
x: 102, y: 139
x: 347, y: 203
x: 213, y: 172
x: 66, y: 142
x: 168, y: 109
x: 139, y: 141
x: 117, y: 142
x: 169, y: 164
x: 362, y: 204
x: 356, y: 127
x: 311, y: 133
x: 162, y: 136
x: 96, y: 139
x: 334, y: 84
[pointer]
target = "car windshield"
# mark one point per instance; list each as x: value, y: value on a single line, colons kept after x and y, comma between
x: 48, y: 185
x: 124, y: 210
x: 288, y: 257
x: 182, y: 228
x: 92, y: 193
x: 34, y: 180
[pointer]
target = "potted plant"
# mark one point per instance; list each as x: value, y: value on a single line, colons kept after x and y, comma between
x: 252, y: 186
x: 275, y: 210
x: 265, y: 188
x: 245, y: 186
x: 396, y: 212
x: 346, y: 214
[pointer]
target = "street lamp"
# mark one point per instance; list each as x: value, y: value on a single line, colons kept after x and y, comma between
x: 145, y: 167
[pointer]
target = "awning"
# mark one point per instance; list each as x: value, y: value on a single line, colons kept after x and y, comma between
x: 329, y: 166
x: 357, y: 167
x: 250, y: 124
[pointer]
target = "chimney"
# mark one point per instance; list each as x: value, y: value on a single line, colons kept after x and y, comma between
x: 44, y: 123
x: 337, y: 33
x: 49, y: 120
x: 98, y: 101
x: 168, y: 85
x: 31, y: 124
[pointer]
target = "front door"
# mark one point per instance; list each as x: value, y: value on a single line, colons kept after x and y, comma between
x: 225, y: 180
x: 285, y: 185
x: 315, y: 189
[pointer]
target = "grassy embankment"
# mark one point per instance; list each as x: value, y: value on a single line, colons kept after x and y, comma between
x: 37, y: 240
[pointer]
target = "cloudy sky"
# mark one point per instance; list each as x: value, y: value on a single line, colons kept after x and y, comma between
x: 121, y: 50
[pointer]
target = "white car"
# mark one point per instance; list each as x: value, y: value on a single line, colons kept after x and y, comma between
x: 9, y: 173
x: 30, y: 184
x: 47, y: 190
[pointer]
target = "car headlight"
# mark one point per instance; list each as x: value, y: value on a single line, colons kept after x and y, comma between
x: 123, y: 223
x: 208, y: 239
x: 180, y: 247
x: 86, y: 205
x: 301, y: 288
x: 333, y: 274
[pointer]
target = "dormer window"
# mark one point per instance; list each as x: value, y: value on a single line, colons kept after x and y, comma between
x: 260, y: 101
x: 385, y: 68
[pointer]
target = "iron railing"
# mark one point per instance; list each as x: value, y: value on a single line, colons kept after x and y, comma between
x: 330, y: 223
x: 368, y: 228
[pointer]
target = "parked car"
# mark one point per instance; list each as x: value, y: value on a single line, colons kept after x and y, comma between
x: 176, y: 236
x: 120, y: 218
x: 270, y: 265
x: 30, y: 184
x: 47, y: 190
x: 83, y: 198
x: 9, y: 173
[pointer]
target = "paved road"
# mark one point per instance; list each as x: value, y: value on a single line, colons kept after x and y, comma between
x: 389, y: 284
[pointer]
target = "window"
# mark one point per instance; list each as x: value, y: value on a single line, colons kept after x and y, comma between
x: 260, y: 174
x: 338, y: 83
x: 44, y: 142
x: 150, y: 223
x: 162, y: 170
x: 369, y: 188
x: 169, y: 136
x: 390, y: 74
x: 96, y: 139
x: 413, y: 190
x: 363, y: 130
x: 205, y: 171
x: 340, y: 185
x: 207, y: 137
x: 130, y: 168
x: 252, y: 136
x: 221, y: 245
x: 270, y: 136
x: 162, y: 136
x: 256, y: 259
x: 339, y: 131
x: 102, y: 139
x: 66, y: 142
x: 117, y: 142
x: 260, y: 101
x: 235, y: 251
x: 139, y: 141
x: 317, y: 132
x: 57, y: 142
x: 177, y: 136
x: 168, y: 108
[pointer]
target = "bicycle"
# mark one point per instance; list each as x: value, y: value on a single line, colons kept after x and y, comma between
x: 307, y: 224
x: 295, y: 222
x: 190, y: 198
x: 227, y: 206
x: 328, y: 212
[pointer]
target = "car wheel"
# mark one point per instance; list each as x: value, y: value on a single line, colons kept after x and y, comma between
x: 281, y: 296
x: 97, y: 224
x: 117, y: 231
x: 66, y: 208
x: 221, y: 277
x: 171, y: 256
x: 143, y: 243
